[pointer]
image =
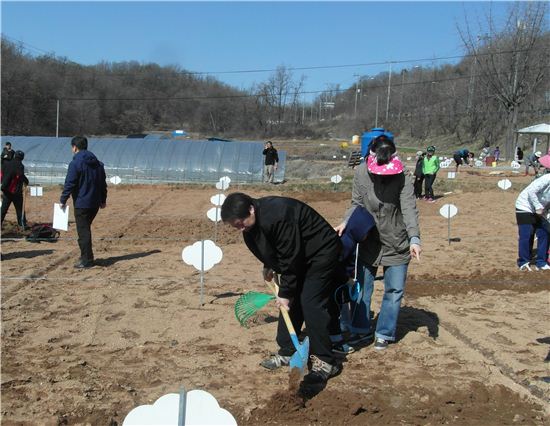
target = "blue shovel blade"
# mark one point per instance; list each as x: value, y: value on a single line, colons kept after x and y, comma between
x: 299, y: 358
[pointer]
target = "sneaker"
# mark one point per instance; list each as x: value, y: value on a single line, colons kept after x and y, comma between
x: 544, y: 268
x: 380, y: 344
x: 82, y: 265
x: 525, y: 267
x: 321, y: 371
x: 342, y: 348
x: 360, y: 339
x: 275, y: 361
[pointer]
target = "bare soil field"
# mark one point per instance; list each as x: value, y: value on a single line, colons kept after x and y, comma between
x: 86, y: 346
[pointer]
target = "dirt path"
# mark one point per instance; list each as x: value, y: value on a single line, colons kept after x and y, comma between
x: 85, y: 347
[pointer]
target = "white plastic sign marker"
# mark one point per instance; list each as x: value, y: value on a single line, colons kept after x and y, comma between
x: 445, y: 164
x: 448, y: 211
x: 217, y: 199
x: 515, y: 165
x: 451, y: 175
x: 409, y: 158
x: 223, y: 183
x: 203, y: 255
x: 479, y: 163
x: 504, y: 184
x: 336, y: 179
x: 199, y: 408
x: 36, y: 191
x: 115, y: 180
x: 214, y: 214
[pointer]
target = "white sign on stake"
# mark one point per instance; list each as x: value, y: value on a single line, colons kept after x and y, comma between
x: 196, y: 407
x: 115, y: 180
x: 217, y: 199
x: 479, y: 163
x: 203, y: 255
x: 223, y: 183
x: 336, y: 179
x: 451, y: 175
x: 36, y: 191
x: 448, y: 211
x: 214, y: 214
x: 515, y: 165
x: 504, y: 184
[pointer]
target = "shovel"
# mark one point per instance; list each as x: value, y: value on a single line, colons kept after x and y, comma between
x: 300, y: 357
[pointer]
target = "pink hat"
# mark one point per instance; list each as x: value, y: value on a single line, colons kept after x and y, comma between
x: 394, y: 167
x: 545, y: 161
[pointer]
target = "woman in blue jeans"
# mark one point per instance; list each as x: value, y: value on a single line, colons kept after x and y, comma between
x: 385, y: 189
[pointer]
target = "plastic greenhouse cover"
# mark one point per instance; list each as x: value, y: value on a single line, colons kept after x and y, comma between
x: 153, y: 160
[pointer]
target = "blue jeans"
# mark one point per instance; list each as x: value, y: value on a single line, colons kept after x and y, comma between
x: 526, y: 232
x: 358, y: 317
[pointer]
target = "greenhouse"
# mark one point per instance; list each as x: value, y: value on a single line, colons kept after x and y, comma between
x: 153, y: 159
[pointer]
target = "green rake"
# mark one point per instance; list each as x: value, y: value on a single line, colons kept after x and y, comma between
x: 248, y: 304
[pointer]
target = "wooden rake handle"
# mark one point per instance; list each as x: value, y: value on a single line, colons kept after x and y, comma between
x: 275, y: 290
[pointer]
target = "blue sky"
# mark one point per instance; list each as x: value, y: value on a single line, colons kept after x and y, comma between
x: 231, y: 36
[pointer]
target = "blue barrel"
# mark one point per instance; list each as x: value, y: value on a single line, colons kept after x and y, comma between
x: 368, y: 137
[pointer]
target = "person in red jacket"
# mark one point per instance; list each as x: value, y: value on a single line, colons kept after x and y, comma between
x: 13, y: 182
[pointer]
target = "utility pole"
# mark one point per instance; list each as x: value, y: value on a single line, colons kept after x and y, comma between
x: 403, y: 72
x: 356, y: 93
x: 388, y: 98
x: 376, y: 118
x: 57, y: 121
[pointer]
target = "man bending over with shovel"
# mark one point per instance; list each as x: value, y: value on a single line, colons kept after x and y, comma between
x: 293, y: 240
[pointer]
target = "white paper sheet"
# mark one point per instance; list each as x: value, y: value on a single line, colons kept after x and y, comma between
x: 60, y: 217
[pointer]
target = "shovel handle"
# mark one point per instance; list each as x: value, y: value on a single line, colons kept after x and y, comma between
x: 275, y: 290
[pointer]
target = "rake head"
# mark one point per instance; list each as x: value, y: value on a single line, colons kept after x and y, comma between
x: 250, y: 303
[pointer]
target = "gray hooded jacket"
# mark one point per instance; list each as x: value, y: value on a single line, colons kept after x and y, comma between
x: 391, y: 201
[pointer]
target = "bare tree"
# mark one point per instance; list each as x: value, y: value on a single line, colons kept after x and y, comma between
x: 512, y: 61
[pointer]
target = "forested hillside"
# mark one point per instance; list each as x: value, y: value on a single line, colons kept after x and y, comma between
x: 500, y: 83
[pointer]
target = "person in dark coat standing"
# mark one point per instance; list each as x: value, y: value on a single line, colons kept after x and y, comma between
x: 13, y: 182
x: 86, y: 184
x: 7, y: 152
x: 293, y: 240
x: 419, y: 174
x: 271, y: 162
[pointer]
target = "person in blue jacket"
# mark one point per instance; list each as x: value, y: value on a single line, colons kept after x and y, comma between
x: 86, y: 184
x: 360, y: 229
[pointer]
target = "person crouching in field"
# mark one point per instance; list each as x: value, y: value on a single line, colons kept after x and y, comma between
x: 463, y: 156
x: 360, y: 230
x: 532, y: 207
x: 293, y: 240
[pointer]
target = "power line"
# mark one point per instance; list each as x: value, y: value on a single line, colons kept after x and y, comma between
x: 314, y: 67
x: 304, y: 92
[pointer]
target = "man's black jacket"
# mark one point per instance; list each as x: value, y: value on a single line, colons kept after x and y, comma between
x: 271, y: 156
x: 13, y: 177
x: 292, y: 239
